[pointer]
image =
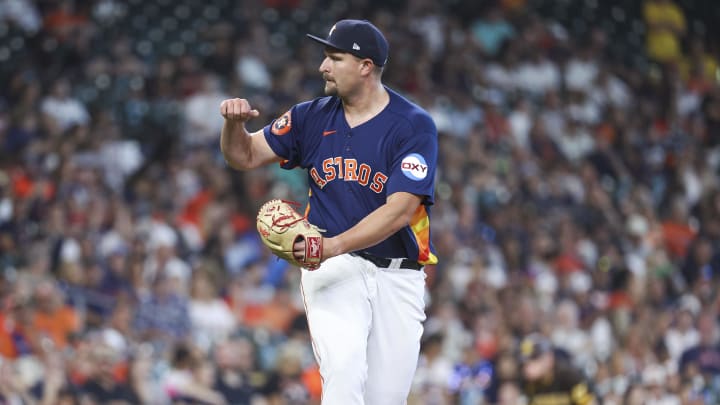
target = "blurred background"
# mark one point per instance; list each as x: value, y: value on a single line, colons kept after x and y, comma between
x: 577, y: 196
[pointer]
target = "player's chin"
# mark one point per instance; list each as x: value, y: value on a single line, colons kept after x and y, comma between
x: 330, y: 89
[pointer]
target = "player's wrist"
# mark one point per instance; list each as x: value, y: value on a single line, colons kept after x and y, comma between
x: 332, y: 247
x: 235, y: 125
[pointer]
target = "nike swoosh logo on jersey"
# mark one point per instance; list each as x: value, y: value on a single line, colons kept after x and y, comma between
x: 326, y: 133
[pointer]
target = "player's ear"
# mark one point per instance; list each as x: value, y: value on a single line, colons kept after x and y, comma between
x: 367, y: 66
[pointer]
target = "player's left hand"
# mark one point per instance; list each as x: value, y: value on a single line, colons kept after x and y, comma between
x: 289, y: 235
x: 299, y: 254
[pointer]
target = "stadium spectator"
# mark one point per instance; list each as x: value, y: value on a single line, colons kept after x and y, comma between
x: 211, y: 319
x: 162, y: 317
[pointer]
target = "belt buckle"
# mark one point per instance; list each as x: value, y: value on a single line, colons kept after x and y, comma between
x: 396, y: 264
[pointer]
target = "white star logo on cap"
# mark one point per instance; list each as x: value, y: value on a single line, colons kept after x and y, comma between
x: 356, y: 46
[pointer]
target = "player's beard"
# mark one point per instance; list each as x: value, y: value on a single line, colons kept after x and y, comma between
x: 331, y: 88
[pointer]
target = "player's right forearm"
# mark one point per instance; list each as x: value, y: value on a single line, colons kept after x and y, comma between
x: 235, y: 144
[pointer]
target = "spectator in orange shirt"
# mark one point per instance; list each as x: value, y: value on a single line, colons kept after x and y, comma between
x: 677, y: 232
x: 52, y: 317
x: 280, y: 311
x: 64, y: 21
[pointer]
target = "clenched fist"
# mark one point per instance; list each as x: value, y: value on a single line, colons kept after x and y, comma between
x: 238, y: 110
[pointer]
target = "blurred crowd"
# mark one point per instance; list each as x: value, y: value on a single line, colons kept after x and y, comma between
x: 577, y: 197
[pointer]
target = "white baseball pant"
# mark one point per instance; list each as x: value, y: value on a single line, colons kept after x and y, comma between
x: 366, y: 324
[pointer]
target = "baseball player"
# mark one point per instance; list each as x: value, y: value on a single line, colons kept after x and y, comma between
x: 370, y: 155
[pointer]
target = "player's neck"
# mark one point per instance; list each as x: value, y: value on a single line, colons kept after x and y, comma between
x: 365, y: 104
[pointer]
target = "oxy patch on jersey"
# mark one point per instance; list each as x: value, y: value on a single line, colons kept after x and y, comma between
x: 414, y: 167
x: 282, y: 125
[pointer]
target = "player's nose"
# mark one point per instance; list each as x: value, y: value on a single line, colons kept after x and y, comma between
x: 324, y: 65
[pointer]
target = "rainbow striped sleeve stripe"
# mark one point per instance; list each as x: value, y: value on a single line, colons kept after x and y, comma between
x: 420, y: 226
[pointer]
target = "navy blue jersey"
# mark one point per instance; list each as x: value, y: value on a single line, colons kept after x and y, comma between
x: 351, y: 171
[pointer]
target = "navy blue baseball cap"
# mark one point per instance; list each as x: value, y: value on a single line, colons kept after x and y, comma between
x: 357, y: 37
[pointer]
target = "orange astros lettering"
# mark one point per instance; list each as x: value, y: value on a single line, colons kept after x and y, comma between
x: 348, y: 170
x: 364, y: 174
x: 351, y: 170
x: 316, y: 178
x: 378, y: 182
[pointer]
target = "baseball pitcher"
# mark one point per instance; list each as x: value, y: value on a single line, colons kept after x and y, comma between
x: 363, y: 242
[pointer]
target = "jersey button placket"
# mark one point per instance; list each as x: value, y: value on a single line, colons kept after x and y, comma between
x: 347, y: 149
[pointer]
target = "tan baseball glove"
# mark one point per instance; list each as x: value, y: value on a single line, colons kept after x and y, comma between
x: 280, y: 226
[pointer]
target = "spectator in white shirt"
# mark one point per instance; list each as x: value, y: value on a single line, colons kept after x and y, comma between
x: 210, y: 317
x: 538, y: 74
x: 61, y: 110
x: 683, y: 334
x: 201, y: 127
x: 575, y: 142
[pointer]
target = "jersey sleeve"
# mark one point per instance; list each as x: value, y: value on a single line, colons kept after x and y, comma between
x: 283, y: 135
x: 414, y: 162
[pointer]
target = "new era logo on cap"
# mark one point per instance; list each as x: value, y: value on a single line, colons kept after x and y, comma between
x: 357, y: 37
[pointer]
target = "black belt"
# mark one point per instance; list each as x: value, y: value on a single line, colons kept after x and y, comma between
x: 385, y: 263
